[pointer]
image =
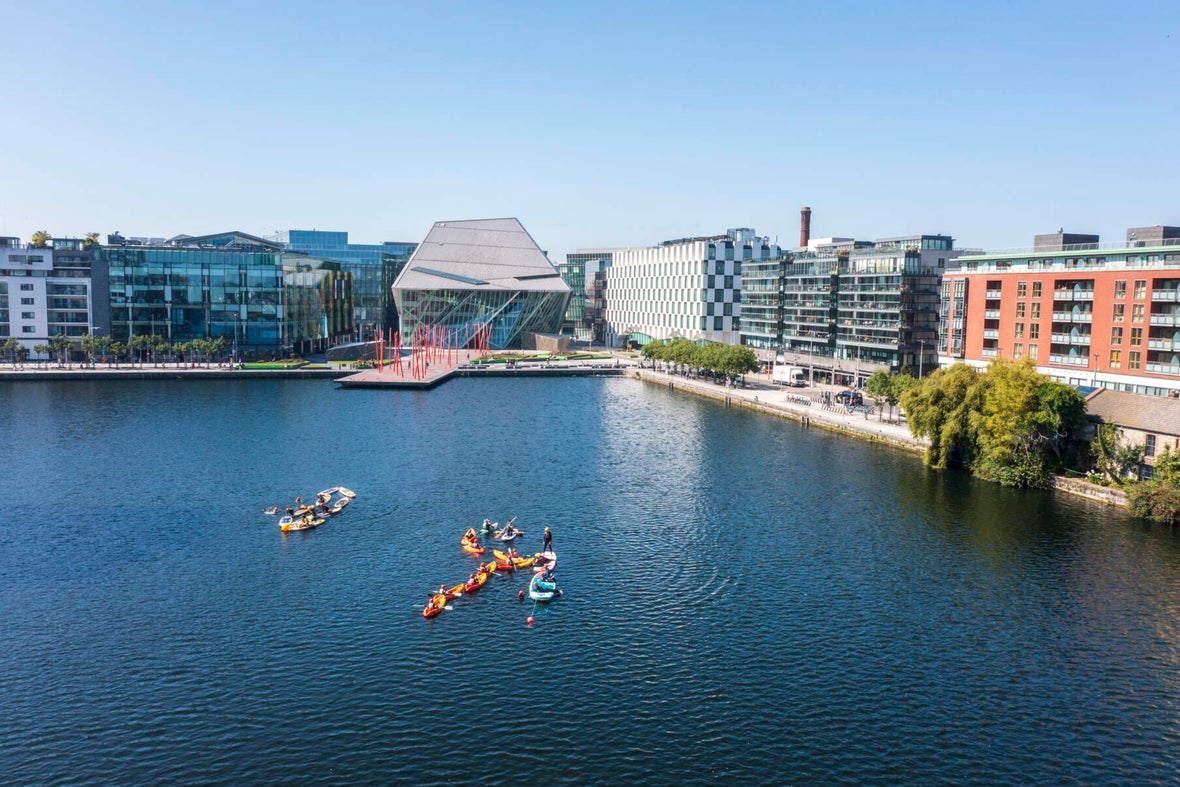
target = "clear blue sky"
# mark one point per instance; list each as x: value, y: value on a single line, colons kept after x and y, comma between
x: 595, y: 124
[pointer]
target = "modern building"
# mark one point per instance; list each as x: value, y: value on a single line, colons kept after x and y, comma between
x: 1089, y: 314
x: 843, y: 308
x: 484, y: 274
x: 45, y: 291
x: 689, y: 288
x: 579, y: 271
x: 374, y: 268
x: 265, y: 301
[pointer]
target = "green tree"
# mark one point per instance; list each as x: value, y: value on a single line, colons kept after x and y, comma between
x: 10, y: 348
x: 90, y: 241
x: 880, y: 387
x: 42, y: 350
x: 943, y: 407
x: 62, y: 347
x: 1159, y: 498
x: 1112, y: 458
x: 40, y: 239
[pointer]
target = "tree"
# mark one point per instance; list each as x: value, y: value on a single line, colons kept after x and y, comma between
x: 90, y: 241
x: 10, y: 348
x: 941, y: 407
x: 880, y: 387
x: 61, y: 348
x: 1113, y: 458
x: 42, y: 350
x: 1159, y: 498
x: 40, y: 239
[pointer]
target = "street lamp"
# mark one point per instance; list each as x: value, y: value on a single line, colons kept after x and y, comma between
x: 1095, y: 370
x: 921, y: 355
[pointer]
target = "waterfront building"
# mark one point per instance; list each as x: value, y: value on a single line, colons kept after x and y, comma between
x: 1148, y: 421
x: 264, y: 300
x: 45, y: 291
x: 688, y: 288
x: 584, y: 271
x: 466, y: 276
x: 1088, y: 314
x: 374, y: 268
x: 843, y: 308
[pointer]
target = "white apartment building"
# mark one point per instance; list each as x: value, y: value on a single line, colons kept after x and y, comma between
x: 682, y: 289
x: 39, y: 300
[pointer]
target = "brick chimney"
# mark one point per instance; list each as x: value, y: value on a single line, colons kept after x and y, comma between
x: 804, y: 226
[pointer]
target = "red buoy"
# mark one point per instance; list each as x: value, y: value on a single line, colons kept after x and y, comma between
x: 530, y: 620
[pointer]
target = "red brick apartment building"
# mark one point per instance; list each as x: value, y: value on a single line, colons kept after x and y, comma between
x: 1088, y: 314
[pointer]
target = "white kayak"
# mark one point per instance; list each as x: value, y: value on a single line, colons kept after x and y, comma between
x: 543, y: 561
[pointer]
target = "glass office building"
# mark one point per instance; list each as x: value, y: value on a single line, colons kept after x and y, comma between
x: 264, y: 301
x: 374, y: 268
x: 466, y: 276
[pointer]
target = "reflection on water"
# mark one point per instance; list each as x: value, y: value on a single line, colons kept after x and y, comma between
x: 744, y: 600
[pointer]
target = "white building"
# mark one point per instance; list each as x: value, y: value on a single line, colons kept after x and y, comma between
x: 688, y: 288
x: 39, y: 299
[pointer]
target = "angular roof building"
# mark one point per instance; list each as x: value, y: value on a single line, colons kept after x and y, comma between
x: 467, y: 276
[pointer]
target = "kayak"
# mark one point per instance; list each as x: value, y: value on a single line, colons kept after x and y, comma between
x: 490, y: 567
x: 505, y: 565
x: 434, y: 606
x: 510, y: 536
x: 488, y: 527
x: 340, y: 505
x: 288, y: 525
x: 540, y: 590
x: 522, y: 562
x: 454, y: 592
x: 481, y: 579
x: 471, y: 546
x: 544, y: 560
x: 346, y: 492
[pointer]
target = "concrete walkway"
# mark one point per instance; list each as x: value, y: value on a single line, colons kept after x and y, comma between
x: 799, y: 404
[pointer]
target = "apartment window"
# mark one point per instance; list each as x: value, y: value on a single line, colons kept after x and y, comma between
x: 717, y: 323
x: 1020, y: 310
x: 1118, y: 312
x: 1136, y: 337
x: 26, y: 301
x: 1019, y: 330
x: 1149, y: 445
x: 1137, y: 312
x: 1021, y: 289
x: 1140, y: 289
x: 1133, y: 359
x: 28, y: 329
x: 1035, y: 311
x: 1036, y: 292
x: 26, y: 288
x: 1032, y: 351
x: 1017, y: 351
x: 1116, y: 359
x: 1120, y: 288
x: 28, y: 315
x: 1116, y: 335
x: 1034, y: 330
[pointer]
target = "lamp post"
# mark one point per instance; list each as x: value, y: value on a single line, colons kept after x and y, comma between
x: 921, y: 355
x: 1095, y: 370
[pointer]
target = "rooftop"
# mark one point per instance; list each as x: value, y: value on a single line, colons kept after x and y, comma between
x: 1157, y: 414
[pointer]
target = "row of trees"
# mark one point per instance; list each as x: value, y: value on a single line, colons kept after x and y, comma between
x: 41, y: 238
x: 726, y: 359
x: 137, y: 349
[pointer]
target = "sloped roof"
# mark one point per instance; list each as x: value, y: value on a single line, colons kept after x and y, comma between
x: 479, y: 254
x: 1158, y: 414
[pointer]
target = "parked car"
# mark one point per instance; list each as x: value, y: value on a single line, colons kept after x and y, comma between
x: 850, y: 398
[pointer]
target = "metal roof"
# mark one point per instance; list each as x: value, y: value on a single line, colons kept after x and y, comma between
x: 479, y: 254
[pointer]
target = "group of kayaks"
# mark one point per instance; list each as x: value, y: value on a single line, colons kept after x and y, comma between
x: 542, y: 587
x: 309, y: 517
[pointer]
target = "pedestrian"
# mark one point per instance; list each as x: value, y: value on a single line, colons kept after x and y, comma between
x: 547, y: 545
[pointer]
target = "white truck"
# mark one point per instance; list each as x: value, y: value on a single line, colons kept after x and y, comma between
x: 792, y: 376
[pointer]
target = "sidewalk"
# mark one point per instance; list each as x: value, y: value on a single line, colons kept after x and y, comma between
x: 799, y: 404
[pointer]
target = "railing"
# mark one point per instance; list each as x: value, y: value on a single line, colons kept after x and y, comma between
x: 1164, y: 319
x: 1163, y: 344
x: 991, y: 334
x: 992, y: 314
x: 989, y: 352
x: 1073, y: 295
x: 992, y: 295
x: 1163, y: 368
x: 1164, y: 295
x: 1073, y: 316
x: 1069, y: 360
x: 1069, y: 338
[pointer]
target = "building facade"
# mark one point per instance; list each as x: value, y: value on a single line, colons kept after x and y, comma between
x: 843, y: 308
x: 263, y: 300
x: 689, y: 288
x: 480, y: 277
x: 584, y: 271
x: 45, y: 292
x: 1087, y: 314
x: 374, y: 268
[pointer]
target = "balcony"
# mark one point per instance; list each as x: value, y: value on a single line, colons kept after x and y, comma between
x: 991, y: 314
x: 1073, y: 295
x: 1164, y: 319
x: 1164, y: 295
x: 989, y: 352
x: 1163, y: 368
x: 991, y: 333
x: 1073, y: 316
x: 992, y: 295
x: 1163, y: 344
x: 1069, y: 360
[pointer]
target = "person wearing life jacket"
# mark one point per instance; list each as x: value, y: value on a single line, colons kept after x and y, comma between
x: 547, y: 544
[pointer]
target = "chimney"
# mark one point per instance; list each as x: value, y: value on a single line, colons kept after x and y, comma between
x: 804, y: 226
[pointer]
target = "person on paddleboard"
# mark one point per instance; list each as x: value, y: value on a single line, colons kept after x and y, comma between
x: 547, y: 545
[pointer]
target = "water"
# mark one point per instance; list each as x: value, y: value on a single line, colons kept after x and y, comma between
x: 744, y: 600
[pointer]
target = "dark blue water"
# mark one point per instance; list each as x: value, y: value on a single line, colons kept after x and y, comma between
x: 745, y: 600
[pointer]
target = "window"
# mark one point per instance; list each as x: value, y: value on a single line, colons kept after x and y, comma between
x: 1116, y: 359
x: 26, y: 301
x: 1036, y: 292
x: 1034, y: 330
x: 1149, y: 445
x: 717, y: 323
x: 1032, y: 351
x: 1019, y: 330
x: 1118, y: 312
x: 1120, y: 288
x: 1020, y: 310
x: 26, y: 288
x: 28, y: 315
x: 1137, y: 312
x: 28, y: 329
x: 1017, y: 351
x: 1035, y: 311
x: 1140, y: 289
x: 1021, y: 289
x: 1133, y: 359
x: 1136, y: 337
x: 1116, y: 335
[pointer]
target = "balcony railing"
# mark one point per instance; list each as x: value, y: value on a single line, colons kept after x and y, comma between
x: 1164, y: 319
x: 1163, y: 368
x: 991, y: 334
x: 1164, y: 295
x: 1163, y: 344
x: 989, y: 352
x: 1069, y: 360
x: 992, y: 295
x: 992, y: 314
x: 1073, y: 316
x: 1073, y: 295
